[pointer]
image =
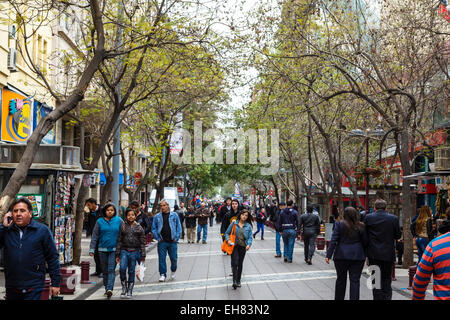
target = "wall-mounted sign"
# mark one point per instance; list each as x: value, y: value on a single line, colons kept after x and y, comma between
x: 17, y: 120
x: 39, y: 112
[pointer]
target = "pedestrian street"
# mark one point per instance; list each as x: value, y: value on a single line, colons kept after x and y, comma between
x: 204, y: 273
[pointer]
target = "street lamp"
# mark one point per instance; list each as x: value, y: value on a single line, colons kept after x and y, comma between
x: 378, y: 132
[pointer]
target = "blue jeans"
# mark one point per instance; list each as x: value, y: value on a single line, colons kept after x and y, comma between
x: 35, y: 294
x: 260, y: 226
x: 163, y: 249
x: 421, y: 244
x: 277, y: 243
x: 289, y: 241
x: 205, y: 231
x: 128, y: 261
x: 108, y: 262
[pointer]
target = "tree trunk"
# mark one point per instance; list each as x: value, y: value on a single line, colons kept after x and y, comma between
x: 44, y: 126
x: 407, y: 205
x: 79, y: 219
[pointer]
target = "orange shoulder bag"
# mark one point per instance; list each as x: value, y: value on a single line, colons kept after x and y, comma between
x: 225, y: 246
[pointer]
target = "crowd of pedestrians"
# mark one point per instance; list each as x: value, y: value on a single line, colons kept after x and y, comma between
x: 371, y: 238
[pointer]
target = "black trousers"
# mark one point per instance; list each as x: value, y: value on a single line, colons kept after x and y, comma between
x: 310, y: 245
x: 354, y: 269
x: 400, y: 249
x: 98, y: 264
x: 237, y: 260
x: 385, y: 293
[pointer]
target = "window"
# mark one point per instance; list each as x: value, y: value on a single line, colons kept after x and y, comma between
x: 39, y: 51
x: 44, y: 57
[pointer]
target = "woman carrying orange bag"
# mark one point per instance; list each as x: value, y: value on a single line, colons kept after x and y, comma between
x: 243, y: 242
x: 226, y: 247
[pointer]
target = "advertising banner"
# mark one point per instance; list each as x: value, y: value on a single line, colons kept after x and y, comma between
x: 176, y: 140
x: 40, y: 111
x: 17, y: 117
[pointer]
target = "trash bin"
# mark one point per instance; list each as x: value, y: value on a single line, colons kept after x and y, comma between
x: 320, y: 243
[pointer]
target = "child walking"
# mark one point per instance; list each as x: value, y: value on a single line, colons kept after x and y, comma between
x: 130, y: 246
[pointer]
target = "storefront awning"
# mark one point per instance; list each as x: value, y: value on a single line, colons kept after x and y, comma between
x: 346, y: 192
x: 43, y: 166
x: 424, y: 175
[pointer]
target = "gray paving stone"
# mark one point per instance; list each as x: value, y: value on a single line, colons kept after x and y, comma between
x: 203, y: 274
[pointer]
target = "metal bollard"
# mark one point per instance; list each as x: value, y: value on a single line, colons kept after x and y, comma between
x: 66, y: 274
x: 85, y: 272
x: 411, y: 271
x: 320, y: 243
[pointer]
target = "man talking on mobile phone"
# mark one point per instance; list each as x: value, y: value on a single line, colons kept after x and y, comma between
x: 28, y: 246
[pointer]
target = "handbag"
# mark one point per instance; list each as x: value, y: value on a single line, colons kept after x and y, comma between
x: 225, y: 246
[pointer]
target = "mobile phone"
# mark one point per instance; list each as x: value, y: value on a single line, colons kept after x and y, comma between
x: 9, y: 219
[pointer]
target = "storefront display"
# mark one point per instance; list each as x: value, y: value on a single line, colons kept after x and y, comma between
x: 37, y: 201
x: 64, y: 216
x: 50, y: 186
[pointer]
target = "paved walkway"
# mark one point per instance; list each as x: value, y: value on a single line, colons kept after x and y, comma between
x: 203, y: 274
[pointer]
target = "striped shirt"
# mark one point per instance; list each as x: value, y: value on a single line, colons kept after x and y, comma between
x: 435, y: 260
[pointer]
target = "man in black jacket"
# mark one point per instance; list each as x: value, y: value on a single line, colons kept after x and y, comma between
x: 141, y: 217
x: 274, y: 218
x: 287, y: 224
x: 382, y: 229
x: 95, y: 213
x: 311, y: 228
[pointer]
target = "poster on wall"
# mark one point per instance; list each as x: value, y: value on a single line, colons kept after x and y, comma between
x: 37, y: 201
x: 17, y: 119
x: 39, y: 112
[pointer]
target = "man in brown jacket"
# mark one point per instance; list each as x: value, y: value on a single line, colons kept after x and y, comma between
x: 202, y: 214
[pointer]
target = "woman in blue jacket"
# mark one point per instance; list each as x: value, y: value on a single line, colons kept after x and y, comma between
x: 348, y: 244
x: 244, y: 238
x: 105, y: 234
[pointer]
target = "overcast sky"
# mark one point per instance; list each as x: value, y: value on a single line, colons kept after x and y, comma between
x: 238, y: 10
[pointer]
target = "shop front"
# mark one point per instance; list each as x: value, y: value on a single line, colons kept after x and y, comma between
x: 50, y: 188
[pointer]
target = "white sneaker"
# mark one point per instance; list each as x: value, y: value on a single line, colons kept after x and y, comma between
x: 172, y: 276
x: 162, y: 278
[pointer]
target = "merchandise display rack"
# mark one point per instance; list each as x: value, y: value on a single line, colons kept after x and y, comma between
x: 64, y: 223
